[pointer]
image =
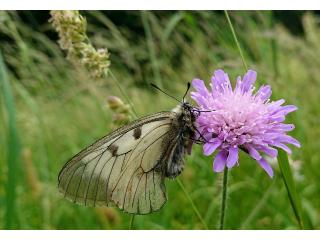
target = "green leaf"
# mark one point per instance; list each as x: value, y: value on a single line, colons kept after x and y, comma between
x: 13, y: 147
x: 290, y: 186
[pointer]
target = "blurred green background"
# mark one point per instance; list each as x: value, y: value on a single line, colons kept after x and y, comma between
x: 58, y: 110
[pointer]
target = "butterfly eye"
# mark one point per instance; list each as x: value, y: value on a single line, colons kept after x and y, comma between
x: 196, y: 112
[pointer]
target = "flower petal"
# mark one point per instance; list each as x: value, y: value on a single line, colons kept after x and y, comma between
x: 199, y: 85
x: 287, y: 109
x: 202, y: 101
x: 248, y: 80
x: 210, y: 147
x: 220, y: 81
x: 275, y: 105
x: 272, y: 152
x: 266, y: 166
x: 220, y: 161
x: 264, y: 93
x: 282, y: 146
x: 232, y: 157
x: 238, y: 84
x: 283, y: 127
x: 201, y: 96
x: 288, y: 139
x: 253, y: 152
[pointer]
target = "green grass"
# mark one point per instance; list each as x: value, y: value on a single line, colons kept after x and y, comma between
x: 58, y: 110
x: 290, y: 186
x: 12, y: 148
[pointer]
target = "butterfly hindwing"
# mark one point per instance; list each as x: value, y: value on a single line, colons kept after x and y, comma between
x: 121, y: 168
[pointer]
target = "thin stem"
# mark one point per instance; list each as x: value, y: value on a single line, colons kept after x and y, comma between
x: 123, y: 93
x: 131, y: 222
x: 224, y: 198
x: 192, y: 204
x: 236, y: 39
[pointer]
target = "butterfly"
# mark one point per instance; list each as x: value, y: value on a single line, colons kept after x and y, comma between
x: 128, y: 167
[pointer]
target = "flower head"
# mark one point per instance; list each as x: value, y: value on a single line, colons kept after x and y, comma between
x: 71, y: 27
x: 241, y: 118
x: 121, y: 111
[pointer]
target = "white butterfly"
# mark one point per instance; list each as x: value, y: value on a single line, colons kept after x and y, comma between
x: 127, y: 168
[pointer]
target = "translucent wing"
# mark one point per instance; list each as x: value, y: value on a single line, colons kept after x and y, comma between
x: 121, y: 168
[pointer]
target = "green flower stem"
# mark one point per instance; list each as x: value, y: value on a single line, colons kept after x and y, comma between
x: 225, y: 174
x: 288, y: 180
x: 223, y: 198
x: 192, y: 204
x: 236, y: 40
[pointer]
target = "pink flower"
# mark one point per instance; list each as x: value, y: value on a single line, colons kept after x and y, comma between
x: 241, y: 119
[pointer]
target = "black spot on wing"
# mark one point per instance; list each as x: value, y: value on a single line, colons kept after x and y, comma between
x: 113, y: 148
x: 137, y: 133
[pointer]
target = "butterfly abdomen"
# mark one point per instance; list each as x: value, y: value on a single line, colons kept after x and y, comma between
x: 176, y: 164
x: 182, y: 128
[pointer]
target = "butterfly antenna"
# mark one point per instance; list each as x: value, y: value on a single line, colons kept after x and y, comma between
x: 156, y: 87
x: 184, y: 96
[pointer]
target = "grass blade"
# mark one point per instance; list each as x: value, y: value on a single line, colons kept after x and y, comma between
x: 195, y: 209
x: 260, y: 205
x: 131, y: 222
x: 151, y: 48
x: 13, y: 148
x: 290, y: 186
x: 236, y: 40
x: 172, y: 23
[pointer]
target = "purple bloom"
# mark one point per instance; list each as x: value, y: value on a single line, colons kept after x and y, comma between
x: 241, y: 119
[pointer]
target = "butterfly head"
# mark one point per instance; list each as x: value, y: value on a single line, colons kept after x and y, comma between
x: 189, y: 110
x: 184, y: 107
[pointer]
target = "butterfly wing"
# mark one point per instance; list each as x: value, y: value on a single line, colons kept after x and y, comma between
x: 121, y: 168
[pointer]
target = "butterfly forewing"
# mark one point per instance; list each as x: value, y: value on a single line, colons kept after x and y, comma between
x: 121, y: 168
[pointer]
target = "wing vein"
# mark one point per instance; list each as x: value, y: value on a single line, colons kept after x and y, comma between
x: 85, y: 201
x: 104, y: 165
x: 130, y: 180
x: 135, y: 192
x: 107, y: 185
x: 75, y: 198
